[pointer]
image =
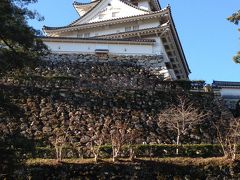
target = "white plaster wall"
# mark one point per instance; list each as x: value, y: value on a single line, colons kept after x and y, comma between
x: 122, y: 9
x: 121, y: 27
x: 230, y: 92
x: 112, y: 28
x: 158, y: 47
x: 149, y: 23
x: 106, y: 8
x: 68, y: 47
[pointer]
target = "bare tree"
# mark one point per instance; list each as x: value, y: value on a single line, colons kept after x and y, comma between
x: 96, y: 142
x: 132, y: 135
x: 98, y: 137
x: 228, y: 135
x: 180, y: 118
x: 59, y: 140
x: 118, y: 138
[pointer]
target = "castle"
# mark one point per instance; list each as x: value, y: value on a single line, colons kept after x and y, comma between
x: 126, y: 28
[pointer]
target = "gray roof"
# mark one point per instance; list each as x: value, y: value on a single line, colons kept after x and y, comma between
x: 225, y: 84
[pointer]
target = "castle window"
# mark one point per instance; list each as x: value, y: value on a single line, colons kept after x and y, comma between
x: 79, y: 35
x: 129, y: 28
x: 102, y: 54
x: 86, y: 35
x: 136, y: 27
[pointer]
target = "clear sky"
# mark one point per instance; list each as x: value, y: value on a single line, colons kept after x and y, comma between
x: 208, y: 39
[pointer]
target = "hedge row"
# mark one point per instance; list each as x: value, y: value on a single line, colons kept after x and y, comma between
x: 162, y: 150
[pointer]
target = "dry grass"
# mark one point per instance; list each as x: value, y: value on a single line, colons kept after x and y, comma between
x: 183, y: 161
x: 180, y: 161
x: 54, y: 162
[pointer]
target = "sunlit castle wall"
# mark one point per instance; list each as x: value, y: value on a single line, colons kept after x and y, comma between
x: 83, y: 47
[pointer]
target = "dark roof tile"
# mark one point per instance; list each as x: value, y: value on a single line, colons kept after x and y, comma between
x: 101, y: 39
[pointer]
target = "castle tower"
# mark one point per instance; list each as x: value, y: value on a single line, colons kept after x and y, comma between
x: 124, y: 27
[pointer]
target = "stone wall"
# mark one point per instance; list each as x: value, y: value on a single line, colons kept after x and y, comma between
x: 82, y: 91
x: 77, y: 95
x: 78, y: 70
x: 154, y: 63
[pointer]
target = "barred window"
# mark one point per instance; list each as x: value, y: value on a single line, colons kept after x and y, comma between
x: 129, y: 28
x: 136, y: 27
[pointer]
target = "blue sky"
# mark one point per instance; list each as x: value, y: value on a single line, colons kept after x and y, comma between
x: 208, y: 39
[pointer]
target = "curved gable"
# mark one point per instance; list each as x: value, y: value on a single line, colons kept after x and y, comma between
x: 83, y: 8
x: 109, y: 9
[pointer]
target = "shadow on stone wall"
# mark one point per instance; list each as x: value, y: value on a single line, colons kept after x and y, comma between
x: 78, y: 95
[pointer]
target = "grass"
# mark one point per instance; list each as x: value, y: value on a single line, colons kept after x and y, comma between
x: 180, y: 161
x: 54, y: 162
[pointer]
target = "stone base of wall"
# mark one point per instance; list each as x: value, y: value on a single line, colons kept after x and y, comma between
x: 154, y: 63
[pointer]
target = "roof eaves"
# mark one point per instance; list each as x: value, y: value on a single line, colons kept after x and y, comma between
x: 69, y: 26
x: 226, y: 83
x: 178, y: 39
x: 85, y: 3
x: 135, y: 31
x: 98, y: 39
x: 77, y: 4
x: 85, y: 13
x: 98, y: 1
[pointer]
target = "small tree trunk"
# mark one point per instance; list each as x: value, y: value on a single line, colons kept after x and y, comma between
x: 57, y: 156
x: 60, y: 153
x: 234, y: 152
x: 115, y: 154
x: 80, y: 153
x: 131, y: 153
x: 150, y: 152
x: 178, y: 138
x: 96, y: 157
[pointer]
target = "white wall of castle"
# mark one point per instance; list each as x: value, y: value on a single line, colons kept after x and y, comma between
x: 83, y: 47
x: 105, y: 10
x: 157, y: 48
x: 230, y: 92
x: 111, y: 29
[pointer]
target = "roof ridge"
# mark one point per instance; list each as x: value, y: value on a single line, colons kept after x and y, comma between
x: 84, y: 3
x: 216, y: 81
x: 85, y: 13
x: 98, y: 1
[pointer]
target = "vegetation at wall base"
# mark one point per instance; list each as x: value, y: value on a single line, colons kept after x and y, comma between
x: 155, y: 150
